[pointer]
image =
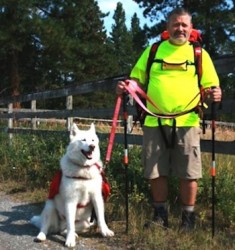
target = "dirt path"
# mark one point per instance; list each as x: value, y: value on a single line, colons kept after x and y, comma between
x: 16, y: 233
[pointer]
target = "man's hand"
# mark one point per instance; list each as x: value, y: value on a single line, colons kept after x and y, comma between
x: 120, y: 88
x: 216, y: 94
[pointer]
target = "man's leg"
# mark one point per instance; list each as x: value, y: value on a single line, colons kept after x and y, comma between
x: 155, y: 159
x: 159, y: 190
x: 188, y: 192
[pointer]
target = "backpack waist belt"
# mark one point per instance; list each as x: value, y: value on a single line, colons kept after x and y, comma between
x: 173, y: 132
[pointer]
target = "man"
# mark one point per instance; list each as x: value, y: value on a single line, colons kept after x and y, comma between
x: 172, y: 146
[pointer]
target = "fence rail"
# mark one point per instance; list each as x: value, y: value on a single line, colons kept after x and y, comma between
x: 108, y: 84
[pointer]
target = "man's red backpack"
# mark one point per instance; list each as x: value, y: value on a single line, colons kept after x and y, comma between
x: 196, y: 42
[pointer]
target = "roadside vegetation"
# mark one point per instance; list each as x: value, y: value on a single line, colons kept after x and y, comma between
x: 29, y: 162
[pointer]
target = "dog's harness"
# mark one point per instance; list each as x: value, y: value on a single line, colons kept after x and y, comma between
x: 84, y: 178
x: 55, y: 184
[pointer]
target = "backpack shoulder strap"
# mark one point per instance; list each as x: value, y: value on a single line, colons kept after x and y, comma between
x: 198, y: 65
x: 152, y: 53
x: 198, y: 60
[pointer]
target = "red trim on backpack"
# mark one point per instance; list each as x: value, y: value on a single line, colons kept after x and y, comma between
x: 195, y: 36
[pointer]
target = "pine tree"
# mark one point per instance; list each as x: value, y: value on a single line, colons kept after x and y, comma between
x: 121, y: 40
x: 73, y: 41
x: 215, y: 19
x: 51, y: 43
x: 15, y: 32
x: 139, y: 38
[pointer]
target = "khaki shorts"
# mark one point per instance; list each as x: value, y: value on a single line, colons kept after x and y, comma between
x: 182, y: 160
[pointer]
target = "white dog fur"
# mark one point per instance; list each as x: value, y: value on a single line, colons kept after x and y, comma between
x: 81, y: 184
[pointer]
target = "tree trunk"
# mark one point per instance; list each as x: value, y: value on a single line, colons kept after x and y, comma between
x: 14, y: 77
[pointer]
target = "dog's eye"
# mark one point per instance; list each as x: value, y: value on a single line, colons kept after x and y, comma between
x: 83, y: 140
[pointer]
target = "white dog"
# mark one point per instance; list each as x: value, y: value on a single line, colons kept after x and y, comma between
x: 79, y: 191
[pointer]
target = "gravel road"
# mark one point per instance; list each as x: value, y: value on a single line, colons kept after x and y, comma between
x: 16, y: 233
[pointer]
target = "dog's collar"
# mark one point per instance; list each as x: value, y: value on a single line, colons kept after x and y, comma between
x: 81, y: 177
x: 77, y: 177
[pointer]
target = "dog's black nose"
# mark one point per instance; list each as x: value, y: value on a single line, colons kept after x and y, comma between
x: 92, y: 147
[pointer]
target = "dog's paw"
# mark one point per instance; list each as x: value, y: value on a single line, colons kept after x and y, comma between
x: 106, y: 232
x: 41, y: 237
x: 71, y: 240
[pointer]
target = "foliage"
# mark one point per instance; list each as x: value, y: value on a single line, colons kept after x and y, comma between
x: 32, y: 160
x: 139, y: 37
x: 52, y: 43
x: 125, y: 45
x: 24, y: 162
x: 46, y: 45
x: 215, y: 19
x: 227, y: 85
x: 65, y: 30
x: 121, y: 40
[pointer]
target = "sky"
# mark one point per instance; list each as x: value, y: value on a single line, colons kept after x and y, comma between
x: 129, y: 6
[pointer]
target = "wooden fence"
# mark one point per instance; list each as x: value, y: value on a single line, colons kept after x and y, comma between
x: 108, y: 84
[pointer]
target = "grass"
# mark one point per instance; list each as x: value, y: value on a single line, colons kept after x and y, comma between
x: 28, y: 165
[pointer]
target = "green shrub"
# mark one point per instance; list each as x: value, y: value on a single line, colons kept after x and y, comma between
x: 33, y: 159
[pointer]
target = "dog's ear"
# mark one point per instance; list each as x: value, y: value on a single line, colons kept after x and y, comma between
x: 73, y: 131
x: 92, y: 127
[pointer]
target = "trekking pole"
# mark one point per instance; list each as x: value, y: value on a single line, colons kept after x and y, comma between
x: 213, y: 166
x: 125, y: 159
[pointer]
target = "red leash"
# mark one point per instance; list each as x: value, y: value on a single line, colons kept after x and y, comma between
x: 133, y: 89
x: 113, y: 130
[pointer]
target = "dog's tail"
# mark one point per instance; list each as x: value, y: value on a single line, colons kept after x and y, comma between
x: 36, y: 221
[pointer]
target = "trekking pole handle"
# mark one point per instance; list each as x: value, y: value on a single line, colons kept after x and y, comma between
x: 217, y: 100
x: 209, y: 91
x: 219, y: 93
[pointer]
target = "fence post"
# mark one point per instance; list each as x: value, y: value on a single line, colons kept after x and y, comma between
x: 69, y: 106
x: 130, y: 117
x: 10, y: 122
x: 129, y: 123
x: 33, y: 109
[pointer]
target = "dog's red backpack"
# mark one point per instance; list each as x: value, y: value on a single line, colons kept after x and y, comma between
x: 106, y: 190
x: 55, y: 185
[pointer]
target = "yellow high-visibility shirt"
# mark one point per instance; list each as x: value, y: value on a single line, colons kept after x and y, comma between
x: 173, y: 85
